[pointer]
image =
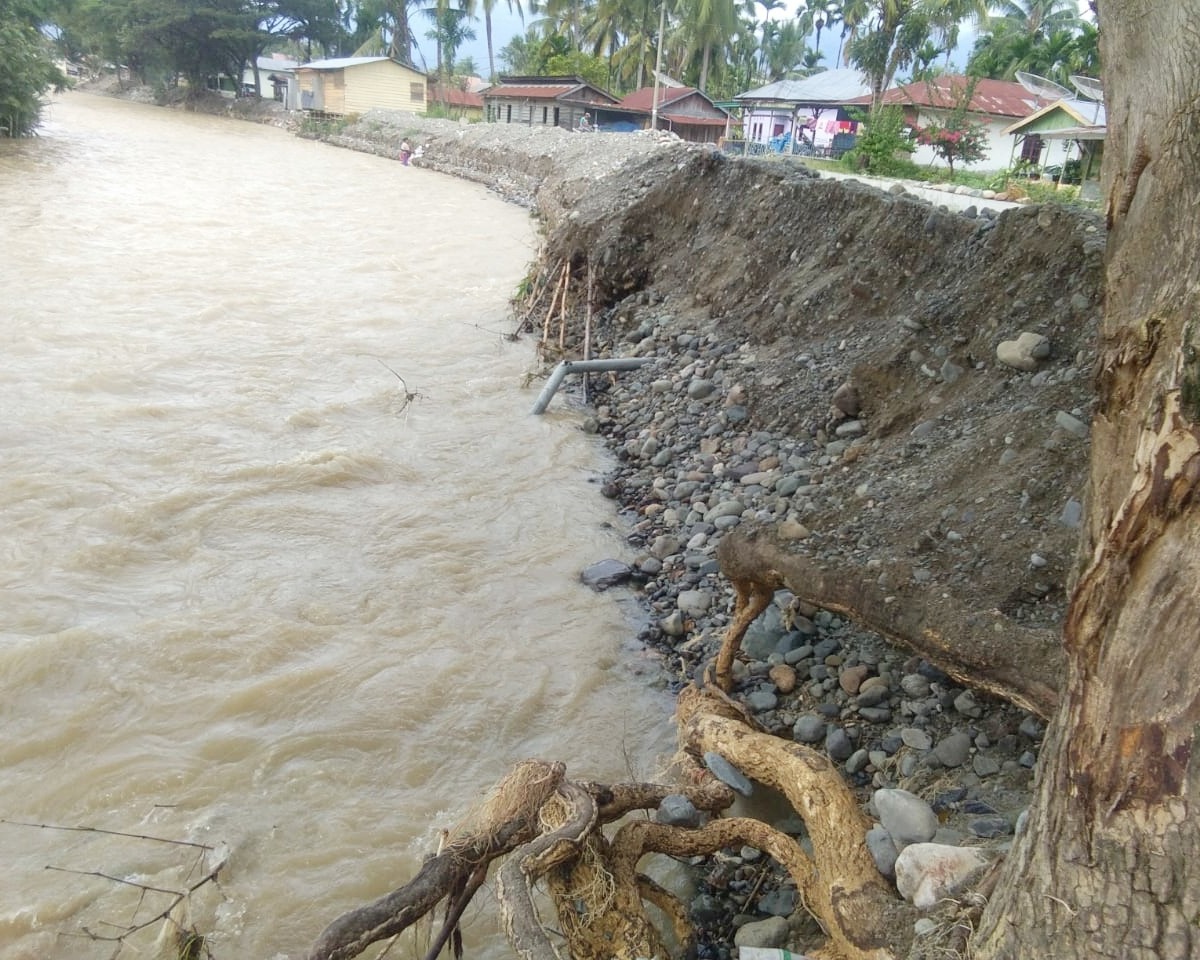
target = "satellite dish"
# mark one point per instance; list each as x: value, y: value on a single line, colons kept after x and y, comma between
x: 1089, y: 88
x: 1042, y: 88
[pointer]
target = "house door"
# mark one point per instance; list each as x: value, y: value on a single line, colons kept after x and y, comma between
x: 556, y: 116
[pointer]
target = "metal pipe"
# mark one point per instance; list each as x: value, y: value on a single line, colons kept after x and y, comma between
x: 583, y: 366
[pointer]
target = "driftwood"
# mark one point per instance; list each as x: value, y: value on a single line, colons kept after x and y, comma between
x: 983, y: 650
x: 548, y: 829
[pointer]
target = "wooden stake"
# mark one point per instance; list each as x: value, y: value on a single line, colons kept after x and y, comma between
x: 587, y: 324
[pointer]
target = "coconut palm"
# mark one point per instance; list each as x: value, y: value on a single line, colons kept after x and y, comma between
x: 488, y: 6
x: 1038, y: 17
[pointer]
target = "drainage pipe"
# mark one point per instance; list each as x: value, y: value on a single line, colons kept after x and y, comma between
x: 583, y: 366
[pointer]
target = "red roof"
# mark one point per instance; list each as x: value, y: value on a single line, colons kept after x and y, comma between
x: 644, y: 99
x: 454, y: 97
x: 999, y: 98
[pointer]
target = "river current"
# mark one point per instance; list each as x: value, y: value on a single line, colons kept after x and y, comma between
x: 287, y: 566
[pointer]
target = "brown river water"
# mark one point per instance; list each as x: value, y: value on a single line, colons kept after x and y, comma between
x: 253, y: 595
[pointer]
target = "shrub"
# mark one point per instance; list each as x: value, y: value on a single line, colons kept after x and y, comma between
x: 881, y: 144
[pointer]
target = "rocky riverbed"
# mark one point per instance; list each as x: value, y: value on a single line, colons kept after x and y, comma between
x: 900, y: 391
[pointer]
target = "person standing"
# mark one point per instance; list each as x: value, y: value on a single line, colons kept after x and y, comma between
x: 405, y: 151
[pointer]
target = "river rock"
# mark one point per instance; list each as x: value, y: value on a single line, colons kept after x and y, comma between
x: 676, y: 810
x: 953, y: 750
x: 905, y: 816
x: 1024, y: 352
x: 772, y: 932
x: 606, y: 573
x: 783, y: 676
x: 693, y: 603
x: 727, y: 773
x: 809, y: 728
x: 928, y: 872
x: 883, y: 850
x: 780, y: 902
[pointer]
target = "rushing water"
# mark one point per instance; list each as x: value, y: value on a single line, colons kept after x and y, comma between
x: 257, y: 591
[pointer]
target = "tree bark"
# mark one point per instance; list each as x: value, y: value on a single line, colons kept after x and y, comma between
x: 1109, y: 865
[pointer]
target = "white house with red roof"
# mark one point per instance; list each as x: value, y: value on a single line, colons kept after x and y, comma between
x: 996, y: 104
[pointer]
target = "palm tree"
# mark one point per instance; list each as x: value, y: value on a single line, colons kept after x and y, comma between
x: 1038, y: 17
x: 709, y: 26
x: 488, y: 6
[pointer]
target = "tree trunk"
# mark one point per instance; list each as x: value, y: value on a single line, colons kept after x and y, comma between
x: 1109, y: 865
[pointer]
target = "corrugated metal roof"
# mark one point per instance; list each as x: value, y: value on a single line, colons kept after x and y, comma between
x: 538, y: 91
x: 830, y: 87
x: 997, y: 98
x: 340, y: 63
x: 684, y: 119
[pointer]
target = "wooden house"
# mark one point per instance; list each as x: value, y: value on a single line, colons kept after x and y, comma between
x: 682, y: 110
x: 357, y: 84
x: 455, y: 102
x: 543, y: 101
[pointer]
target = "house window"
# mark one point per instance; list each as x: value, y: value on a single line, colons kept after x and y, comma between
x: 545, y: 115
x: 508, y: 113
x: 556, y: 116
x: 416, y: 92
x: 1031, y: 148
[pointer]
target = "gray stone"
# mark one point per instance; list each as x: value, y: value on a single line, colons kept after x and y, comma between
x: 809, y: 728
x: 905, y: 816
x: 915, y: 738
x: 772, y: 932
x: 676, y: 810
x: 693, y: 603
x: 664, y: 546
x: 727, y: 773
x: 954, y: 750
x: 672, y: 624
x: 837, y: 744
x: 759, y: 701
x: 780, y: 902
x: 989, y: 827
x: 606, y: 573
x: 858, y: 761
x: 1073, y: 425
x: 984, y: 766
x: 883, y: 850
x: 1072, y: 514
x: 699, y: 389
x: 966, y: 704
x: 914, y: 685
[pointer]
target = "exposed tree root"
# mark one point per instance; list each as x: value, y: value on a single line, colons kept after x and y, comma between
x: 985, y: 651
x: 548, y: 829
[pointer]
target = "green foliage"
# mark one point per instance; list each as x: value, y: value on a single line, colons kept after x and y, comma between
x: 27, y: 70
x: 883, y: 145
x: 578, y: 64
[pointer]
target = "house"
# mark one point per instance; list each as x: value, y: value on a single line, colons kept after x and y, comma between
x: 1064, y: 132
x: 455, y: 102
x: 995, y: 104
x: 357, y: 84
x: 543, y: 101
x: 803, y: 115
x: 683, y: 110
x: 276, y: 80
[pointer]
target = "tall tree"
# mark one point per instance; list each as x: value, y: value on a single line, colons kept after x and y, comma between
x: 1109, y: 863
x: 488, y: 7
